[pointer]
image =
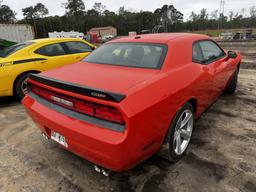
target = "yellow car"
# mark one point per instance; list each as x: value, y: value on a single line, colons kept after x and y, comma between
x: 35, y: 56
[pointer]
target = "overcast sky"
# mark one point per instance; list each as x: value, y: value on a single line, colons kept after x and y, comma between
x: 185, y: 6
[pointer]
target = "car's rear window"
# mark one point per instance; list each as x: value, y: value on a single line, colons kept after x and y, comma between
x: 14, y: 48
x: 140, y: 55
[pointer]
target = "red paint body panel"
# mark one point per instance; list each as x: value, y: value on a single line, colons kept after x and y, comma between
x: 127, y: 77
x: 152, y: 99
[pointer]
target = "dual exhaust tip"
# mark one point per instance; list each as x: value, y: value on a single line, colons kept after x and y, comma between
x: 97, y: 168
x: 101, y: 170
x: 45, y: 136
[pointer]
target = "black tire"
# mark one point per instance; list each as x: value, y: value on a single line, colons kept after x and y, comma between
x: 168, y: 148
x: 19, y: 84
x: 231, y: 88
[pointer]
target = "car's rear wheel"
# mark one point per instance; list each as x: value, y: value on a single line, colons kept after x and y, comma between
x: 231, y: 88
x: 179, y: 134
x: 20, y: 86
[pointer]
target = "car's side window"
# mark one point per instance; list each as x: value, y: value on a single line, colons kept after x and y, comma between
x: 78, y: 47
x: 211, y: 51
x: 207, y: 51
x: 197, y: 53
x: 51, y: 50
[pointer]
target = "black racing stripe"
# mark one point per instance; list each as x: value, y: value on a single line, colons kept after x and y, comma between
x: 75, y: 88
x: 28, y: 60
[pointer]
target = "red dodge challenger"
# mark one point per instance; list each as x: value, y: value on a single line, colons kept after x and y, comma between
x: 132, y: 97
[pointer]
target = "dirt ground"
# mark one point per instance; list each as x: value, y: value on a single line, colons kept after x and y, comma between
x: 222, y: 156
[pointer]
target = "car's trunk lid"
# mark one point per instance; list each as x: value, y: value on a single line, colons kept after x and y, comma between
x: 96, y: 80
x: 99, y: 76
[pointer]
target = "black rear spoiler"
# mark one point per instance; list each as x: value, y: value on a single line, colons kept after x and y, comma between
x: 76, y: 88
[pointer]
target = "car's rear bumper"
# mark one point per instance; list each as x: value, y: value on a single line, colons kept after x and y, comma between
x: 107, y: 148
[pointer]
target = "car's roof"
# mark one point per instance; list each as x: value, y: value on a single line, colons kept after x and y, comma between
x: 159, y: 37
x: 45, y: 40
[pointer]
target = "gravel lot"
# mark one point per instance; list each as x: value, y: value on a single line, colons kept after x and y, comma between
x: 222, y: 156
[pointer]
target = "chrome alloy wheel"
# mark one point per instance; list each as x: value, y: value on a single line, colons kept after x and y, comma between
x: 24, y: 87
x: 183, y: 132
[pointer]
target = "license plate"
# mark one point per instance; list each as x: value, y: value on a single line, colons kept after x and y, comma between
x: 59, y: 138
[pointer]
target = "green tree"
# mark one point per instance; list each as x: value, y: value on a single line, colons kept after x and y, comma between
x: 32, y: 13
x: 121, y: 11
x: 40, y: 10
x: 146, y: 20
x: 74, y: 7
x: 214, y: 14
x: 108, y: 13
x: 231, y: 15
x: 203, y: 14
x: 6, y: 14
x: 168, y: 15
x: 75, y: 12
x: 192, y: 23
x: 28, y: 12
x: 253, y: 11
x: 126, y: 20
x: 193, y: 16
x: 203, y: 19
x: 92, y: 12
x: 99, y: 7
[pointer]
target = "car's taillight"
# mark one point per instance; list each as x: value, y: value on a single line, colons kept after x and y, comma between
x: 84, y: 107
x: 35, y: 90
x: 109, y: 114
x: 99, y: 111
x: 45, y: 94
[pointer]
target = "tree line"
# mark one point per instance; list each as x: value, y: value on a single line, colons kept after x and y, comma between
x: 77, y: 18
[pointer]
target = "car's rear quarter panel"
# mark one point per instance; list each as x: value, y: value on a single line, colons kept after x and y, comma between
x: 154, y: 110
x: 8, y: 75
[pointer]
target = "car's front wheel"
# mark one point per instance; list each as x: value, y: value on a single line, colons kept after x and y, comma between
x: 179, y: 134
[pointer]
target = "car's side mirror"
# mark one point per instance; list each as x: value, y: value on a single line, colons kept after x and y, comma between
x: 93, y: 48
x: 232, y: 54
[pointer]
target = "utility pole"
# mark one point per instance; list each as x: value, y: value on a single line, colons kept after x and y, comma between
x: 223, y: 6
x: 221, y: 14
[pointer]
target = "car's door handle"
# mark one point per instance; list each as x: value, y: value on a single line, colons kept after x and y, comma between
x: 42, y: 62
x: 78, y: 57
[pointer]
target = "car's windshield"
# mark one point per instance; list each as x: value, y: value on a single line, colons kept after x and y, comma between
x: 141, y: 55
x: 14, y: 48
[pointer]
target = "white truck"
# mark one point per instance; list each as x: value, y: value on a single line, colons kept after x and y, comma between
x: 16, y: 32
x: 63, y: 34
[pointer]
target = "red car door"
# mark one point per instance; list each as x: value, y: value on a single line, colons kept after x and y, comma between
x: 205, y: 87
x: 226, y: 70
x: 220, y: 75
x: 215, y: 58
